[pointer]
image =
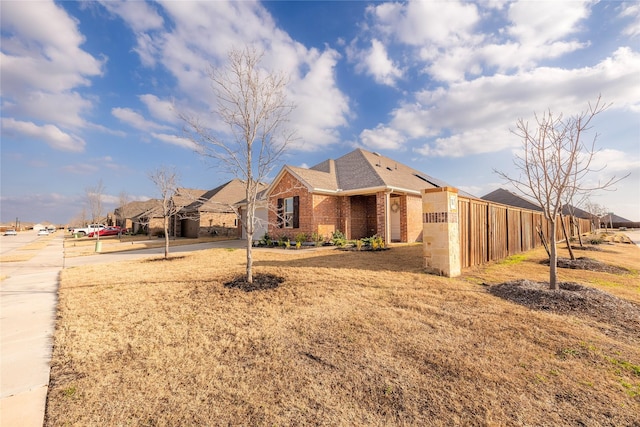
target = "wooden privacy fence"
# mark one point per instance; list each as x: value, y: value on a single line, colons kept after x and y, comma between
x: 491, y: 231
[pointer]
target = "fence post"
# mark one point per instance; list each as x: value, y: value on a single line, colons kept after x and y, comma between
x: 441, y: 241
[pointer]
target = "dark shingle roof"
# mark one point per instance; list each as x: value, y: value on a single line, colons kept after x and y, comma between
x: 221, y: 198
x: 506, y: 197
x: 361, y: 169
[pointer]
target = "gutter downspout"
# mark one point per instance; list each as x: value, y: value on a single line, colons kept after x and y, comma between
x: 387, y: 217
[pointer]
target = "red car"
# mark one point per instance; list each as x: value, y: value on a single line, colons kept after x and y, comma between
x: 108, y: 231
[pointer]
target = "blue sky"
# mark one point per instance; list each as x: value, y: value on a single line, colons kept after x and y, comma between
x: 87, y: 88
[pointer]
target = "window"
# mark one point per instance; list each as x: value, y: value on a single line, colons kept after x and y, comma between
x: 288, y: 212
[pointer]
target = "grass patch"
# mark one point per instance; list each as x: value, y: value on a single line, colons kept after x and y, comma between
x: 347, y: 338
x: 513, y: 259
x: 86, y: 245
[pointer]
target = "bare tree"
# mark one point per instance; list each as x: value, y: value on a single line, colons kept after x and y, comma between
x: 598, y: 213
x: 555, y: 162
x: 123, y: 211
x: 253, y: 104
x: 94, y: 200
x: 166, y: 181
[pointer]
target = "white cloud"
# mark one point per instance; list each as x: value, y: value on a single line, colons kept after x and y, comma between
x: 41, y: 65
x: 375, y: 62
x: 81, y: 169
x: 197, y: 35
x: 160, y: 109
x: 50, y: 134
x: 140, y: 15
x: 631, y: 11
x: 383, y: 138
x: 610, y: 161
x: 136, y: 120
x: 41, y: 49
x: 421, y: 22
x: 65, y: 109
x: 175, y: 140
x: 451, y: 42
x: 530, y: 24
x: 475, y: 116
x: 321, y: 107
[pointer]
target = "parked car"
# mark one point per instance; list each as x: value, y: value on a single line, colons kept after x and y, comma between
x: 109, y: 231
x: 11, y: 233
x: 91, y: 228
x: 43, y: 232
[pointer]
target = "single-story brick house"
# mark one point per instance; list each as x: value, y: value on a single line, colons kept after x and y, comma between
x: 139, y: 216
x: 360, y: 194
x: 210, y: 212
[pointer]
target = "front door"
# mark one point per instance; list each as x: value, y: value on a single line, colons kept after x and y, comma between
x: 394, y: 216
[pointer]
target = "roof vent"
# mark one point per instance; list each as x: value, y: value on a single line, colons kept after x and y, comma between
x: 376, y: 153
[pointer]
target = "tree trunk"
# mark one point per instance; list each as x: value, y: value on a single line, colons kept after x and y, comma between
x: 249, y: 258
x: 576, y: 224
x: 553, y: 259
x: 543, y: 240
x: 166, y: 237
x: 566, y: 237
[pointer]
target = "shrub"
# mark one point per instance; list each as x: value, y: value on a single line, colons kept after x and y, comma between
x: 338, y: 238
x: 284, y: 241
x: 265, y: 240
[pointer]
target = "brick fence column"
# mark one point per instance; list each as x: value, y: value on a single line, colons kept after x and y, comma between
x: 441, y: 241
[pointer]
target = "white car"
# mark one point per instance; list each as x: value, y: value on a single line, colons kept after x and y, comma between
x: 43, y: 232
x: 11, y: 233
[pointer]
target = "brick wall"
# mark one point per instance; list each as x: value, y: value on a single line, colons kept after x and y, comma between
x: 289, y: 187
x: 222, y: 223
x: 326, y: 215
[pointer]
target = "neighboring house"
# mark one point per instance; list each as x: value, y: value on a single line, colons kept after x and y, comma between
x: 213, y: 212
x: 360, y: 194
x: 506, y: 197
x: 612, y: 220
x: 139, y: 216
x: 182, y: 197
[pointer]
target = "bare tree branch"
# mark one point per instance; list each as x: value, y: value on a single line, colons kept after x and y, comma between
x: 555, y: 165
x: 253, y: 104
x: 166, y: 181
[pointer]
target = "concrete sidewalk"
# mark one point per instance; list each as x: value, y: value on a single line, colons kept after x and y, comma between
x: 634, y: 235
x: 28, y: 308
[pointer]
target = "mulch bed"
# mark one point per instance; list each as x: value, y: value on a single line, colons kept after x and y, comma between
x: 575, y: 299
x: 260, y: 282
x: 584, y: 263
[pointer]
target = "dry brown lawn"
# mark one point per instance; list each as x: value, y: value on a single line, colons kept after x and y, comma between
x: 86, y: 245
x: 348, y: 339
